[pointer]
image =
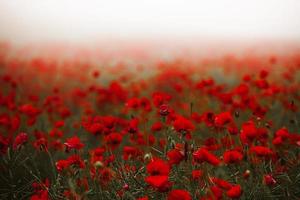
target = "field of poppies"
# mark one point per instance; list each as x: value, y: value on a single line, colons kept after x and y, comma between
x: 177, y: 129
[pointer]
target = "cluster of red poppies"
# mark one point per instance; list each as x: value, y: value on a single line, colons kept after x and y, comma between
x: 223, y: 128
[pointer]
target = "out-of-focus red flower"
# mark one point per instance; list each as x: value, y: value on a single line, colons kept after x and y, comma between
x: 143, y: 198
x: 160, y: 98
x: 211, y: 144
x: 61, y: 165
x: 64, y: 112
x: 133, y: 126
x: 20, y: 139
x: 95, y: 128
x: 40, y: 195
x: 232, y: 129
x: 263, y: 74
x: 97, y: 155
x: 269, y: 180
x: 113, y: 140
x: 156, y: 127
x: 133, y: 103
x: 4, y: 143
x: 175, y: 156
x: 41, y: 143
x: 59, y: 124
x: 234, y: 192
x: 164, y: 110
x: 56, y: 133
x: 196, y: 117
x: 40, y: 190
x: 248, y: 132
x: 203, y: 155
x: 197, y: 174
x: 221, y: 183
x: 74, y: 143
x: 217, y: 192
x: 96, y: 74
x: 159, y: 182
x: 183, y: 125
x: 106, y: 175
x: 130, y: 152
x: 208, y: 118
x: 74, y: 160
x: 261, y: 151
x: 15, y: 122
x: 227, y: 142
x: 281, y: 136
x: 232, y: 156
x: 179, y: 195
x: 29, y: 110
x: 242, y: 89
x: 223, y: 119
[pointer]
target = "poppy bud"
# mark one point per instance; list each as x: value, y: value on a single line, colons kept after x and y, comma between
x: 148, y: 157
x: 164, y: 110
x: 125, y: 186
x: 246, y: 174
x: 98, y: 164
x: 269, y: 180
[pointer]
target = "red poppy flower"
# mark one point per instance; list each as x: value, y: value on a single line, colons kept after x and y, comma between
x: 59, y: 124
x: 20, y: 140
x: 29, y: 110
x: 4, y: 143
x: 183, y: 125
x: 261, y: 151
x: 248, y: 132
x: 133, y: 126
x: 216, y: 192
x: 164, y: 110
x: 61, y: 165
x: 97, y: 155
x: 208, y: 118
x: 269, y: 180
x: 160, y: 98
x: 159, y: 182
x: 143, y: 198
x: 179, y: 195
x: 74, y: 143
x: 130, y: 152
x: 197, y: 174
x: 158, y: 167
x: 232, y: 156
x: 203, y: 155
x: 221, y: 183
x: 156, y: 127
x: 175, y: 156
x: 40, y: 195
x: 223, y: 119
x: 234, y: 192
x: 133, y: 103
x: 76, y: 160
x: 113, y: 140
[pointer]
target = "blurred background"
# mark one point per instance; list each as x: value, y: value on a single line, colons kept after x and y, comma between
x: 160, y: 27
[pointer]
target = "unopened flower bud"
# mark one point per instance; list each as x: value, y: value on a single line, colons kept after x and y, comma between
x: 164, y: 110
x: 269, y: 180
x: 246, y: 174
x: 147, y: 156
x: 125, y: 186
x: 98, y: 164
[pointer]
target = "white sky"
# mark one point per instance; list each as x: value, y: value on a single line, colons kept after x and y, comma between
x: 84, y: 20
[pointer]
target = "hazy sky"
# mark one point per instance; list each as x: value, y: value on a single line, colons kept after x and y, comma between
x: 84, y: 20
